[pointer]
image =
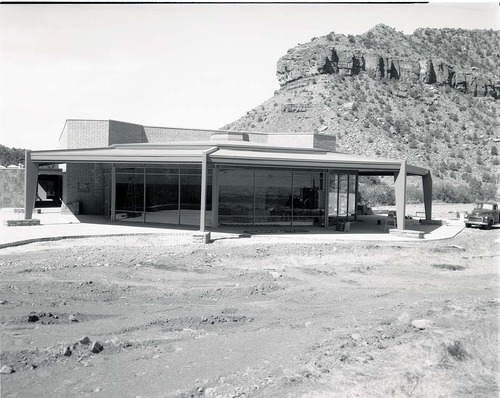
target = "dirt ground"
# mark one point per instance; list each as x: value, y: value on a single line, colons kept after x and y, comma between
x: 255, y: 317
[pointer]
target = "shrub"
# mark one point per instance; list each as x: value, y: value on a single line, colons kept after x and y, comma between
x: 452, y: 193
x: 376, y: 193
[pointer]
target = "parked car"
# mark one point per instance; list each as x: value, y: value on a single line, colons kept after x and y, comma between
x: 484, y: 215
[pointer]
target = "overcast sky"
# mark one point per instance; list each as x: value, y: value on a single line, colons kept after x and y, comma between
x: 177, y: 65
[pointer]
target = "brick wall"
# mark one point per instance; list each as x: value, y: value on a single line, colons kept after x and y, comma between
x: 302, y: 140
x: 11, y: 188
x: 85, y: 185
x: 172, y: 134
x: 323, y: 141
x: 125, y: 133
x: 85, y: 134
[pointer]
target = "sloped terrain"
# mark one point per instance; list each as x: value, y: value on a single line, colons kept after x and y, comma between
x: 430, y: 97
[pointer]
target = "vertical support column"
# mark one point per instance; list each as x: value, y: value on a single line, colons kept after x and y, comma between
x: 253, y: 205
x: 30, y: 185
x: 400, y: 188
x: 64, y: 187
x: 356, y: 193
x: 327, y: 197
x: 215, y: 197
x: 113, y: 192
x: 203, y: 204
x: 338, y: 196
x: 291, y: 215
x: 427, y: 188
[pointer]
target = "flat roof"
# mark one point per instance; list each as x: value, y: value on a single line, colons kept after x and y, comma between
x: 237, y: 153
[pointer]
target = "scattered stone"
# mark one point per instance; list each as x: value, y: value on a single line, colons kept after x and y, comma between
x: 72, y: 318
x: 3, y: 301
x: 308, y: 324
x: 421, y: 324
x: 276, y: 275
x: 6, y: 370
x: 355, y: 336
x: 33, y: 317
x: 96, y: 347
x: 84, y: 340
x: 66, y: 351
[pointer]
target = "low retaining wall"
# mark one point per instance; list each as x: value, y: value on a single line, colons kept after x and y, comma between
x: 407, y: 233
x: 22, y: 223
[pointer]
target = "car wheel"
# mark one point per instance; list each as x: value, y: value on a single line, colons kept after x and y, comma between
x: 490, y: 224
x: 467, y: 225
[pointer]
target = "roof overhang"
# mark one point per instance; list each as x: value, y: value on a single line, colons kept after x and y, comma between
x: 234, y: 154
x: 319, y: 160
x: 118, y: 155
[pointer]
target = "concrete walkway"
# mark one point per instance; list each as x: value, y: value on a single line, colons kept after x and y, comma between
x: 54, y: 226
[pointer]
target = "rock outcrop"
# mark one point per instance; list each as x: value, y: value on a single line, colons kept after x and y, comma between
x: 335, y: 54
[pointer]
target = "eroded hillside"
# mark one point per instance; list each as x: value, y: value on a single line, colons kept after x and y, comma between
x: 430, y: 97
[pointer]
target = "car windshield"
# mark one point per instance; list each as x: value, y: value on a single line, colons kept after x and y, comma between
x: 484, y: 206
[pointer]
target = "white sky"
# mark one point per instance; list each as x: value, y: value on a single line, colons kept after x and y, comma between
x: 178, y: 65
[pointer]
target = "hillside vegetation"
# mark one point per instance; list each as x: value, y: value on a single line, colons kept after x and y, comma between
x: 430, y: 97
x: 11, y: 156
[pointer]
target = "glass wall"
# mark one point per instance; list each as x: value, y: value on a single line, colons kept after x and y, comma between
x: 236, y: 196
x: 342, y: 190
x: 162, y: 195
x: 246, y: 196
x: 280, y: 197
x: 273, y: 197
x: 308, y: 198
x: 130, y: 194
x: 170, y: 195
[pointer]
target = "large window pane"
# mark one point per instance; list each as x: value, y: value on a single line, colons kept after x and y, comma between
x: 352, y: 194
x: 236, y: 196
x: 162, y: 198
x: 343, y: 187
x: 333, y: 195
x: 308, y: 198
x: 273, y: 197
x: 190, y: 199
x: 130, y: 196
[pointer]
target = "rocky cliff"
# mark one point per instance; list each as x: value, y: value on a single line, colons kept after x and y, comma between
x: 430, y: 97
x: 350, y: 56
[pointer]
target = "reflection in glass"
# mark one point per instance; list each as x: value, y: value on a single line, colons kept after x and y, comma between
x: 130, y: 197
x: 273, y: 197
x: 162, y: 198
x: 308, y: 198
x: 190, y: 199
x: 236, y: 197
x: 333, y: 195
x: 343, y: 191
x: 352, y: 195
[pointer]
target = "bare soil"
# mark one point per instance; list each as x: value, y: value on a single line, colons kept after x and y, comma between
x: 257, y: 317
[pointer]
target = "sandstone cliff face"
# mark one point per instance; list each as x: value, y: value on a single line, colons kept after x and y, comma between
x: 388, y: 95
x: 333, y: 54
